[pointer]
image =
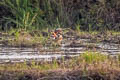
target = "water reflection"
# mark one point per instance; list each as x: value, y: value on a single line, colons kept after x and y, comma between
x: 20, y: 54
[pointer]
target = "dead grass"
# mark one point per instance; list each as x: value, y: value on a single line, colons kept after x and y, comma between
x: 89, y: 66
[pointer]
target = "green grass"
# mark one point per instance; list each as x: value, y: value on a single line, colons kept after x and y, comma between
x: 38, y: 14
x: 91, y: 57
x: 89, y: 64
x: 85, y: 58
x: 29, y: 15
x: 26, y: 38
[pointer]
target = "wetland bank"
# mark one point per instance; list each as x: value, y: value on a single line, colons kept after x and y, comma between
x: 82, y: 56
x: 90, y: 46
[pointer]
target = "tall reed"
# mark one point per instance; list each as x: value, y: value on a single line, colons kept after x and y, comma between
x: 37, y: 14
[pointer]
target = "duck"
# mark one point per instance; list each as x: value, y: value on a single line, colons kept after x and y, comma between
x: 57, y: 36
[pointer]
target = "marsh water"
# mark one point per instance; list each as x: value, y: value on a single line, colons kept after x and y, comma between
x: 68, y: 49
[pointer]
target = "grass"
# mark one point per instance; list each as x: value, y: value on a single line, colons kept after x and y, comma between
x: 25, y: 15
x: 86, y: 58
x: 38, y: 14
x: 22, y: 37
x: 28, y: 15
x: 87, y: 65
x: 91, y: 57
x: 30, y: 38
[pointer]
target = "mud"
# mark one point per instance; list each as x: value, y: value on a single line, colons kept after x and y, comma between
x: 72, y: 45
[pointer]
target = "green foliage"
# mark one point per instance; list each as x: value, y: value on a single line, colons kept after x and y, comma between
x: 26, y: 14
x: 55, y: 64
x: 119, y: 57
x: 78, y: 27
x: 39, y: 14
x: 83, y: 62
x: 93, y: 57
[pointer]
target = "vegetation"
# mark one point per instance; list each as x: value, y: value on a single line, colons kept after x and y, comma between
x: 30, y: 23
x: 77, y: 14
x: 87, y: 66
x: 38, y: 15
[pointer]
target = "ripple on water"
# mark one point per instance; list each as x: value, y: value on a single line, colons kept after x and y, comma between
x: 17, y: 54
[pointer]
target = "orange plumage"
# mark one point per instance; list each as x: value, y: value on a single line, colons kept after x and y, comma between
x: 57, y: 36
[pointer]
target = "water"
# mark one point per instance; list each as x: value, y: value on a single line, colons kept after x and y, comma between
x: 68, y: 49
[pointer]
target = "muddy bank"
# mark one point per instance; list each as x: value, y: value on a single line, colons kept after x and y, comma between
x: 60, y: 75
x: 24, y: 38
x: 89, y: 66
x: 37, y: 45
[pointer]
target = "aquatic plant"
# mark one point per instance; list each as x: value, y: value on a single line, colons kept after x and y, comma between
x: 93, y: 57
